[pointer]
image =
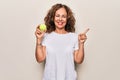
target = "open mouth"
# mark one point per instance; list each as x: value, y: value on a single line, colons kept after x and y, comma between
x: 60, y: 23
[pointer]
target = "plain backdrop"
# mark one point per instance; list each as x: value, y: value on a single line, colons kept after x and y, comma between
x: 18, y: 21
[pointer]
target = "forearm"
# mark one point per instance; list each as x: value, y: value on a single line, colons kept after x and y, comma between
x: 39, y: 51
x: 80, y: 54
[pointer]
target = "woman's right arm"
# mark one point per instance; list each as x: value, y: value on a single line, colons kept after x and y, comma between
x: 40, y: 52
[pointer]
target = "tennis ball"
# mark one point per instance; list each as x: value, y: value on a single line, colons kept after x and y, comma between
x: 42, y: 27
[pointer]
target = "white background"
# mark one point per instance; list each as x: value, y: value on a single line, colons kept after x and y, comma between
x: 18, y: 21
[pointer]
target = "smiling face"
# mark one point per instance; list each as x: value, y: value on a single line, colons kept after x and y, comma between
x: 60, y: 18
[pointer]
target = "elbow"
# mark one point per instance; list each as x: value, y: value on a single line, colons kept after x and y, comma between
x: 40, y: 60
x: 79, y: 61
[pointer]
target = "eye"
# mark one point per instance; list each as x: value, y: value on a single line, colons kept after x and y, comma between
x: 57, y: 15
x: 64, y: 16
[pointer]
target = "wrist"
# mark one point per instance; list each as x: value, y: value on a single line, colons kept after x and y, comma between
x: 81, y: 43
x: 38, y: 41
x: 39, y: 44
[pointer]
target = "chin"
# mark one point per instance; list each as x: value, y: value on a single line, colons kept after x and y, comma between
x: 60, y: 26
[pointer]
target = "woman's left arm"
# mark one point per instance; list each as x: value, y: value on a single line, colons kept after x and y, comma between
x: 79, y: 54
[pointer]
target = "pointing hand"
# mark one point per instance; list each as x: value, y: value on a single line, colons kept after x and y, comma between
x: 82, y: 36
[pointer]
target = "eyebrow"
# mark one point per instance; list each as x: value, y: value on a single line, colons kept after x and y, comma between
x: 62, y: 14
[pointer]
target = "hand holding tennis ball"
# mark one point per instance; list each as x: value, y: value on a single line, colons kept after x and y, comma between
x: 42, y: 27
x: 40, y: 31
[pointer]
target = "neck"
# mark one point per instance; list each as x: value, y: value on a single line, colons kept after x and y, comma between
x: 62, y: 31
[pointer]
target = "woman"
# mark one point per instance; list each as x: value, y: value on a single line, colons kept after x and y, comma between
x: 59, y: 46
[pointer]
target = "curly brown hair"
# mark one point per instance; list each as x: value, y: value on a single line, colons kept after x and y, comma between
x: 49, y: 19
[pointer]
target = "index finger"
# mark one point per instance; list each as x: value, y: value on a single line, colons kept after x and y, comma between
x: 37, y: 27
x: 86, y: 31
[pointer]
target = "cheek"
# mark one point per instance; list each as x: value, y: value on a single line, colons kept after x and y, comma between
x: 56, y: 18
x: 65, y: 21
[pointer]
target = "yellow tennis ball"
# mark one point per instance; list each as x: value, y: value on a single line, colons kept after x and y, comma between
x: 42, y: 27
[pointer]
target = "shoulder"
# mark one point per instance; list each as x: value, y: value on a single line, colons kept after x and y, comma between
x: 48, y: 35
x: 73, y: 34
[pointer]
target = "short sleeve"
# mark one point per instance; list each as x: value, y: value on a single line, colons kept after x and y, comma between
x: 76, y: 46
x: 44, y: 40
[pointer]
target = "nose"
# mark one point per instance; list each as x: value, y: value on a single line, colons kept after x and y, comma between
x: 60, y: 18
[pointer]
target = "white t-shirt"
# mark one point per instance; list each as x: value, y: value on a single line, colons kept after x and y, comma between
x: 60, y: 56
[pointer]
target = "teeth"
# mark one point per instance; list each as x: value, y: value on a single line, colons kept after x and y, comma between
x: 60, y: 23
